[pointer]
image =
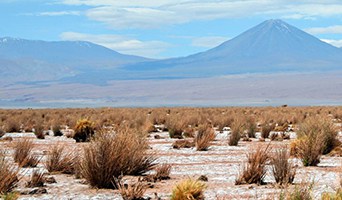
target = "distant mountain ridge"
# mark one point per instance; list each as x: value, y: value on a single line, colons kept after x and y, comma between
x: 44, y: 60
x: 270, y: 47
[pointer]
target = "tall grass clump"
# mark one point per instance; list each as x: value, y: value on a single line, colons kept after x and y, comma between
x: 56, y: 129
x: 251, y: 127
x: 282, y: 170
x: 237, y: 130
x: 23, y: 153
x: 176, y: 126
x: 109, y: 156
x: 254, y: 170
x: 188, y: 190
x: 205, y: 135
x: 84, y: 130
x: 39, y: 131
x: 316, y: 136
x: 266, y: 130
x: 58, y: 160
x: 8, y: 175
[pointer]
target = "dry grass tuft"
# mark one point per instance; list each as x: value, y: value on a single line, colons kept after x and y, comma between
x: 300, y: 192
x: 237, y: 129
x: 8, y: 175
x: 84, y: 130
x: 188, y: 190
x: 37, y: 179
x: 59, y: 161
x: 204, y: 137
x: 333, y: 196
x: 109, y: 156
x: 316, y: 136
x: 132, y: 192
x: 162, y: 173
x: 266, y: 130
x: 255, y: 169
x: 22, y: 153
x: 283, y: 171
x: 183, y: 144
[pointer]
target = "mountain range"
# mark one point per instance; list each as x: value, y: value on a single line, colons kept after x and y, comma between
x: 271, y: 63
x: 270, y: 47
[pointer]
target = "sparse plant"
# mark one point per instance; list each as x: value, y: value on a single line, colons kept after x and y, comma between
x: 37, y: 179
x: 39, y: 131
x: 60, y: 161
x: 183, y: 144
x: 12, y: 126
x: 237, y: 129
x: 132, y: 191
x: 162, y: 173
x: 316, y: 136
x: 23, y: 153
x: 56, y: 129
x: 204, y: 137
x: 266, y: 130
x: 109, y: 156
x: 333, y: 196
x: 300, y: 192
x: 251, y: 128
x: 254, y: 170
x: 189, y: 190
x: 176, y: 127
x: 84, y: 130
x: 283, y: 171
x: 8, y: 175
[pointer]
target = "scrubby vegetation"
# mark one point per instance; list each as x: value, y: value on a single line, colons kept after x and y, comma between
x: 282, y: 170
x: 188, y: 190
x: 108, y: 156
x: 84, y: 130
x: 316, y: 136
x: 58, y: 160
x: 8, y: 175
x: 23, y: 153
x: 254, y: 170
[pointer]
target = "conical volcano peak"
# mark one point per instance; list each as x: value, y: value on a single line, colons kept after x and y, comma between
x: 278, y: 24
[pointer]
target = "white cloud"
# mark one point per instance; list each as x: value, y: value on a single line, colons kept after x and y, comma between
x: 336, y: 43
x: 59, y: 13
x: 208, y: 42
x: 122, y: 44
x: 325, y: 30
x: 153, y: 13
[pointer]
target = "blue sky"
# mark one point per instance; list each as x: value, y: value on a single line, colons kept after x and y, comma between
x: 163, y: 28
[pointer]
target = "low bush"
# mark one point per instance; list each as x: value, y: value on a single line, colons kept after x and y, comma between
x: 254, y: 170
x: 39, y: 131
x: 188, y: 190
x: 37, y: 179
x: 332, y: 196
x: 316, y: 136
x: 266, y: 130
x: 12, y: 126
x: 204, y: 137
x: 300, y: 192
x: 176, y: 126
x: 109, y: 156
x: 23, y: 153
x: 132, y: 192
x: 8, y: 175
x: 162, y: 173
x: 183, y: 144
x: 60, y: 161
x: 56, y: 129
x: 84, y: 130
x: 237, y: 130
x: 282, y: 170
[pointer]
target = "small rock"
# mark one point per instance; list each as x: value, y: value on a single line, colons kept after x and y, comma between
x: 50, y: 180
x: 203, y: 178
x: 38, y: 191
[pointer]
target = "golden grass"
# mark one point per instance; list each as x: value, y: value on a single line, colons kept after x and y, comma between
x: 188, y: 190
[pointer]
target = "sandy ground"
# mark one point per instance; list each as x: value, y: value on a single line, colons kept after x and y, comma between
x: 221, y: 164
